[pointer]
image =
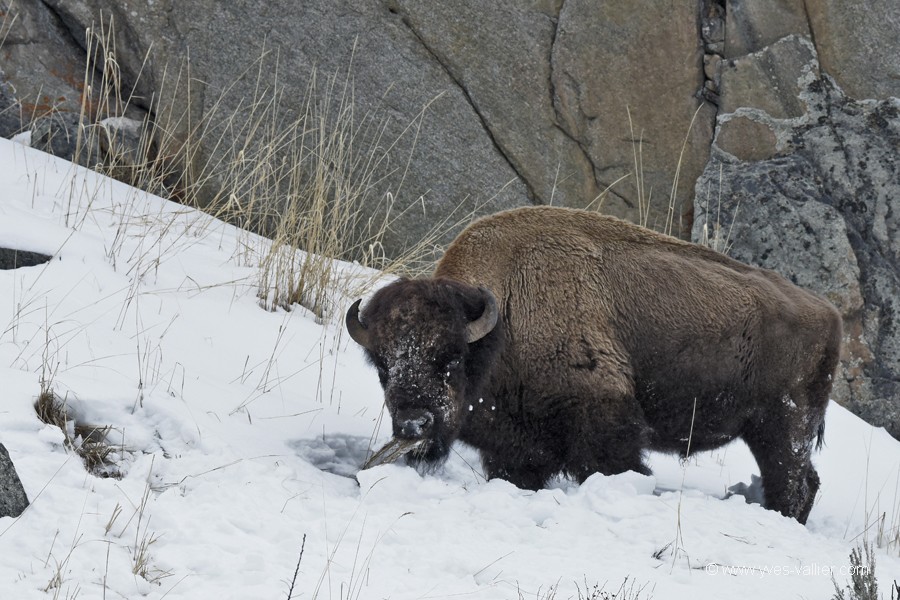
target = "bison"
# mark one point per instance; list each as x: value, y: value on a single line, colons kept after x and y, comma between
x: 557, y: 340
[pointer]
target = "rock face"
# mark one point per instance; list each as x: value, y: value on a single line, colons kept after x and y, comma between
x: 526, y: 102
x: 815, y: 197
x: 600, y: 52
x: 771, y: 119
x: 487, y: 105
x: 10, y: 112
x: 40, y: 65
x: 12, y: 495
x: 858, y: 45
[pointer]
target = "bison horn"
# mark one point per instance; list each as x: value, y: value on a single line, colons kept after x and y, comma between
x: 355, y: 328
x: 483, y: 325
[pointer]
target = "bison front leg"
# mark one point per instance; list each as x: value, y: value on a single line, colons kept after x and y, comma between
x: 527, y: 470
x: 607, y: 437
x: 782, y: 445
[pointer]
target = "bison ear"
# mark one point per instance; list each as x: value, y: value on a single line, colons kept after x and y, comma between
x: 355, y: 328
x: 483, y: 325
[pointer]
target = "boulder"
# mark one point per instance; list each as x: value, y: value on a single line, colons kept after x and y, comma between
x: 760, y: 94
x: 10, y: 258
x: 563, y: 122
x: 825, y: 215
x: 769, y: 79
x: 754, y: 25
x: 10, y: 109
x: 13, y: 500
x: 858, y: 45
x: 747, y: 138
x: 42, y: 64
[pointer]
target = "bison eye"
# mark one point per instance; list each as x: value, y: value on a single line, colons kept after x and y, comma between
x: 452, y: 367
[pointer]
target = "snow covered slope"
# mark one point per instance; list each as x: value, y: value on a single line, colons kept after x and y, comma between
x: 241, y: 430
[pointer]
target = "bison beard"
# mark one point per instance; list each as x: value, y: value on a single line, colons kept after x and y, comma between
x: 557, y: 340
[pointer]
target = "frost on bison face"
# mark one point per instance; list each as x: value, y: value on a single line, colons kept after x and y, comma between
x: 429, y: 346
x: 562, y: 341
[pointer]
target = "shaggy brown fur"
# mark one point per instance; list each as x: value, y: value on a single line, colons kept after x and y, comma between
x: 610, y: 339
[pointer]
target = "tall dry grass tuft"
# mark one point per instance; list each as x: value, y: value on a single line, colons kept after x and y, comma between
x: 314, y: 185
x: 331, y: 171
x: 89, y: 442
x: 644, y: 196
x: 714, y: 235
x: 310, y: 174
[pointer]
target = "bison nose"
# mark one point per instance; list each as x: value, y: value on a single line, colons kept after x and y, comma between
x: 413, y: 424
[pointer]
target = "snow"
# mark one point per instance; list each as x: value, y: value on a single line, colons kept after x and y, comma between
x: 242, y: 429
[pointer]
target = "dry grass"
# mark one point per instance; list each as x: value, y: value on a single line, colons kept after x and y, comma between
x: 863, y: 583
x: 10, y: 16
x: 881, y: 526
x: 714, y: 234
x: 314, y: 183
x: 59, y: 570
x: 330, y: 174
x: 293, y: 582
x: 330, y: 207
x: 628, y: 590
x: 90, y: 442
x: 644, y: 196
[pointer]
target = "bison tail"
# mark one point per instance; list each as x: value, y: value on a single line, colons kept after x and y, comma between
x: 820, y: 436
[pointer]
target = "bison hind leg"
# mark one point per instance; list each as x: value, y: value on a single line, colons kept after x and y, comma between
x: 812, y: 488
x: 782, y: 445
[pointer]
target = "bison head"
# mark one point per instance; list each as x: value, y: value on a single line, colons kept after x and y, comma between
x: 432, y: 342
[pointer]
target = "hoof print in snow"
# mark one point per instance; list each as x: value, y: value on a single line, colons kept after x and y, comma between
x: 337, y: 454
x: 10, y: 258
x: 753, y: 493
